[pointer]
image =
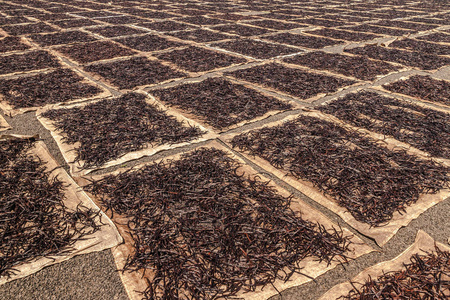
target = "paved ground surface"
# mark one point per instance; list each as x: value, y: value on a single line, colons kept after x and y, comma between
x: 231, y: 47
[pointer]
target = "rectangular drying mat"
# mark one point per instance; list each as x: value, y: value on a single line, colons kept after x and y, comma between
x: 44, y: 76
x: 423, y: 243
x: 390, y: 141
x: 195, y: 116
x: 136, y: 281
x: 380, y: 234
x: 106, y: 237
x: 69, y: 153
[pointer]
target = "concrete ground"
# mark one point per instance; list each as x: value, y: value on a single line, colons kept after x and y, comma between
x: 94, y: 276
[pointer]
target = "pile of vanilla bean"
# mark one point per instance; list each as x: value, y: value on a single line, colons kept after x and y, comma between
x: 34, y: 221
x: 424, y: 128
x: 370, y: 181
x: 110, y: 128
x: 424, y: 277
x: 203, y: 229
